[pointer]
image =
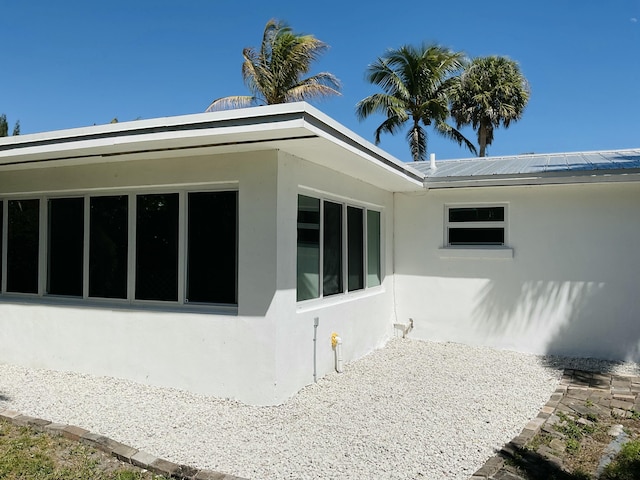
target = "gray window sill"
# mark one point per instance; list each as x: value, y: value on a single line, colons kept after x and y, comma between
x: 485, y: 253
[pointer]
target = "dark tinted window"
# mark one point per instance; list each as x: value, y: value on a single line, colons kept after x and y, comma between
x: 22, y: 245
x: 1, y: 236
x: 308, y: 245
x: 157, y: 247
x: 476, y: 236
x: 332, y: 251
x: 66, y: 246
x: 355, y: 248
x: 479, y: 214
x: 212, y: 251
x: 108, y: 247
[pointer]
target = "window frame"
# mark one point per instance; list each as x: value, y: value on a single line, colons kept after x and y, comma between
x: 130, y: 300
x: 345, y: 205
x: 476, y: 250
x: 476, y: 225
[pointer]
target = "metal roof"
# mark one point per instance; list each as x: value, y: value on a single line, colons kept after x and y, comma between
x: 533, y: 169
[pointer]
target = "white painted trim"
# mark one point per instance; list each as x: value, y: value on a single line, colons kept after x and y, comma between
x: 130, y: 301
x: 504, y: 224
x: 337, y: 299
x: 486, y: 253
x: 344, y: 204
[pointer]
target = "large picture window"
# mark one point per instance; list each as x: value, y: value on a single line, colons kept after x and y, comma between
x: 179, y: 247
x: 338, y: 247
x: 157, y: 247
x: 212, y: 261
x: 108, y: 246
x: 308, y: 265
x: 1, y: 237
x: 332, y: 249
x: 23, y: 244
x: 475, y: 225
x: 355, y: 247
x: 66, y: 246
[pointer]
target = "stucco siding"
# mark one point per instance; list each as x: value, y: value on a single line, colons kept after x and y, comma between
x: 227, y: 355
x: 363, y: 319
x: 570, y: 287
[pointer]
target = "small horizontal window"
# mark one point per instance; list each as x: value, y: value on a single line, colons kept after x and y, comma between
x: 476, y: 236
x: 476, y: 214
x: 475, y: 226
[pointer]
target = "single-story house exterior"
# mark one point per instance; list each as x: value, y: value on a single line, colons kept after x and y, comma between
x: 219, y: 252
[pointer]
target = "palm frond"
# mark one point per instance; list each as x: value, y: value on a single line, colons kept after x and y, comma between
x: 274, y: 72
x: 491, y: 92
x: 391, y: 125
x: 451, y: 133
x: 416, y: 82
x: 229, y: 103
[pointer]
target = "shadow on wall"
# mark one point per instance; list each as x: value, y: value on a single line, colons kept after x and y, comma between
x: 574, y: 318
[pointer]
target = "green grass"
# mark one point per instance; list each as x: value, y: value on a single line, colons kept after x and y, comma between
x: 28, y: 454
x: 626, y: 465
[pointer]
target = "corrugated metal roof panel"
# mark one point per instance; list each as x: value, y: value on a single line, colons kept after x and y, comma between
x: 532, y: 164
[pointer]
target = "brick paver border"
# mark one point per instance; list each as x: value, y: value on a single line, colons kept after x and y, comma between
x: 620, y: 393
x: 122, y: 452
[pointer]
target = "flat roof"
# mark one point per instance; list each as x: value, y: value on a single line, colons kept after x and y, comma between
x: 296, y: 128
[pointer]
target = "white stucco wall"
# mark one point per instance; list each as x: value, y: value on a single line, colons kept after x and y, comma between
x: 261, y: 355
x: 363, y: 319
x: 225, y: 355
x: 571, y: 287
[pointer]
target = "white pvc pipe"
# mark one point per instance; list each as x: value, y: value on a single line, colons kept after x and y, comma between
x: 339, y: 362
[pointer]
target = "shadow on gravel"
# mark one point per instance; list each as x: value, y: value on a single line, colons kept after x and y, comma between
x: 594, y: 365
x: 527, y: 465
x: 4, y: 398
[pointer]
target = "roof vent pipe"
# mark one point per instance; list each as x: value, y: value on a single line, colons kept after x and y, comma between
x: 432, y: 158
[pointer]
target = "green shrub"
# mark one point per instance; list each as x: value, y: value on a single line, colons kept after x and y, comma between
x: 626, y: 465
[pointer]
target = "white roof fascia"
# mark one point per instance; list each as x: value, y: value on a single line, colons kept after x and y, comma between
x: 274, y: 124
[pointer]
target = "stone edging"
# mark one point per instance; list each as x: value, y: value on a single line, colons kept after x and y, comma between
x: 118, y: 450
x: 620, y: 393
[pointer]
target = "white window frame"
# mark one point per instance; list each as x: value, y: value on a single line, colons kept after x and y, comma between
x: 345, y: 203
x: 131, y: 195
x: 471, y: 250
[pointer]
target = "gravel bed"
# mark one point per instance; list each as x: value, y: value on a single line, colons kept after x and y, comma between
x: 410, y: 410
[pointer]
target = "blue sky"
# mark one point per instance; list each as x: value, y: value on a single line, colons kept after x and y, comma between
x: 76, y: 63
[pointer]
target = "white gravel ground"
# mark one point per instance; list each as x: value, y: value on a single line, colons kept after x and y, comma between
x: 410, y: 410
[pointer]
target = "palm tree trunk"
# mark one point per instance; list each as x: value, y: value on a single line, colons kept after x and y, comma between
x: 414, y: 144
x: 482, y: 139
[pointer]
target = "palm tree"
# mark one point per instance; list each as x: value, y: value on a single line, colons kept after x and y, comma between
x: 274, y: 73
x: 491, y: 92
x: 415, y: 82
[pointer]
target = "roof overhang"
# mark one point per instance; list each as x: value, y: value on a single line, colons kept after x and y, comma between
x: 295, y: 128
x: 555, y: 178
